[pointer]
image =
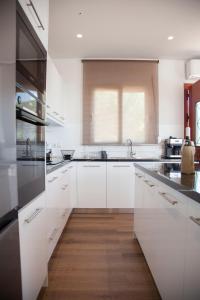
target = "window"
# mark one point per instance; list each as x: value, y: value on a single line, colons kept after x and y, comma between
x: 119, y: 102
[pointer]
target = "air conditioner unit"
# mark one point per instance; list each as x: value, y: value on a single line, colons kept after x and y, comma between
x: 193, y: 69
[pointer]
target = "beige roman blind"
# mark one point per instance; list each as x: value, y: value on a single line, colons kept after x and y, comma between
x: 120, y: 101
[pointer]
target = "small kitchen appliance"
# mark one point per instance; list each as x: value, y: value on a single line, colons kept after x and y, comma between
x: 173, y: 147
x: 67, y: 154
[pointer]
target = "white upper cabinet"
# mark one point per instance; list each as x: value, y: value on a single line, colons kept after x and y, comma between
x: 37, y: 12
x: 120, y: 185
x: 91, y: 184
x: 55, y: 95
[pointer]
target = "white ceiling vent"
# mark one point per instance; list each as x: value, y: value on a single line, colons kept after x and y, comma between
x: 193, y: 69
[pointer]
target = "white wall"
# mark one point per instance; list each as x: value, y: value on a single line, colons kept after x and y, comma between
x: 171, y: 103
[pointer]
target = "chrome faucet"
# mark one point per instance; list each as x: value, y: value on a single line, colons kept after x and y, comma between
x: 131, y: 153
x: 28, y: 148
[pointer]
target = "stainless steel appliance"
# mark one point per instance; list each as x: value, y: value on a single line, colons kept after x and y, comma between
x: 31, y: 68
x: 173, y: 147
x: 30, y: 110
x: 10, y: 272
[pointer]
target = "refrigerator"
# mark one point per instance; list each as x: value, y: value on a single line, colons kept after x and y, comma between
x: 10, y: 273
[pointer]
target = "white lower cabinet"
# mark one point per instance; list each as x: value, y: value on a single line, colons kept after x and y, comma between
x: 91, y: 182
x: 192, y: 260
x: 169, y: 243
x: 167, y: 225
x: 61, y: 198
x: 120, y: 185
x: 33, y: 247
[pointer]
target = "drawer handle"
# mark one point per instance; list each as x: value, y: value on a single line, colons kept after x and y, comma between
x: 96, y: 166
x: 53, y: 234
x: 65, y: 171
x: 164, y: 195
x: 64, y: 187
x: 30, y: 4
x: 71, y: 167
x: 121, y: 166
x: 195, y: 220
x: 138, y: 175
x: 52, y: 180
x: 149, y: 183
x: 33, y: 216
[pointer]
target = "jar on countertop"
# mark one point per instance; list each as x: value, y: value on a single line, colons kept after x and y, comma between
x: 187, y: 159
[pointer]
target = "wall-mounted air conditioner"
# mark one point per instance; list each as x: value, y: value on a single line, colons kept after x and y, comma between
x: 193, y: 69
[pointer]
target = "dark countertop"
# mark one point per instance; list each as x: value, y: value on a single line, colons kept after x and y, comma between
x: 58, y: 164
x: 170, y: 174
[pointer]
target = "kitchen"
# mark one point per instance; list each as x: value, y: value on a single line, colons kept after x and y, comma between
x: 95, y: 105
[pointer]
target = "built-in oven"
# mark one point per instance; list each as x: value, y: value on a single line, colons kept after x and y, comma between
x: 30, y: 157
x: 31, y: 59
x: 30, y: 110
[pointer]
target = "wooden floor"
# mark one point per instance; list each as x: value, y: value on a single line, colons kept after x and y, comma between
x: 98, y: 258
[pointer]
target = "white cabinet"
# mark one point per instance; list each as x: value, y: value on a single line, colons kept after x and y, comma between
x: 91, y: 179
x: 37, y: 12
x: 61, y: 198
x: 160, y: 226
x: 169, y: 243
x: 120, y: 185
x: 72, y: 185
x: 192, y: 260
x: 138, y: 209
x: 55, y: 94
x: 33, y: 247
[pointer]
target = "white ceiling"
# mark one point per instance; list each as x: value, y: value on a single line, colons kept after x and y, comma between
x: 125, y: 28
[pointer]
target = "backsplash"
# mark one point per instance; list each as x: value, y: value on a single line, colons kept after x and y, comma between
x: 56, y: 140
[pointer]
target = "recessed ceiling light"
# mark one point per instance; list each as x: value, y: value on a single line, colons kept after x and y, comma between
x: 79, y: 36
x: 170, y: 38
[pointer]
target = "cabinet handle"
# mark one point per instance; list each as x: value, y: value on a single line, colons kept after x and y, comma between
x: 53, y: 179
x: 121, y: 166
x: 195, y: 220
x: 138, y: 175
x: 64, y: 187
x: 149, y: 183
x: 55, y: 113
x: 53, y: 234
x: 164, y: 195
x: 30, y: 4
x: 36, y: 212
x: 65, y: 171
x: 96, y: 166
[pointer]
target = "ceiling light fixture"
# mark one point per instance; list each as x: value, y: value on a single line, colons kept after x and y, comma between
x: 79, y: 36
x: 170, y: 38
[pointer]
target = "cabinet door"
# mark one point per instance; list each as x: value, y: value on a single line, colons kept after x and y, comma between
x: 54, y: 194
x: 192, y: 261
x: 169, y: 244
x: 120, y: 185
x: 37, y: 12
x: 33, y: 247
x: 64, y: 200
x: 148, y: 218
x: 138, y: 203
x: 91, y: 184
x: 72, y: 185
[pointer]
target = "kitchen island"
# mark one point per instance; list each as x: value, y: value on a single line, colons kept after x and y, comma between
x: 167, y: 226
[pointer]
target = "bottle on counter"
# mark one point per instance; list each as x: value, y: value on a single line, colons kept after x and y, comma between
x: 187, y: 159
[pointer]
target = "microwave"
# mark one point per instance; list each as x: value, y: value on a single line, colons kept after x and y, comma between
x: 31, y: 59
